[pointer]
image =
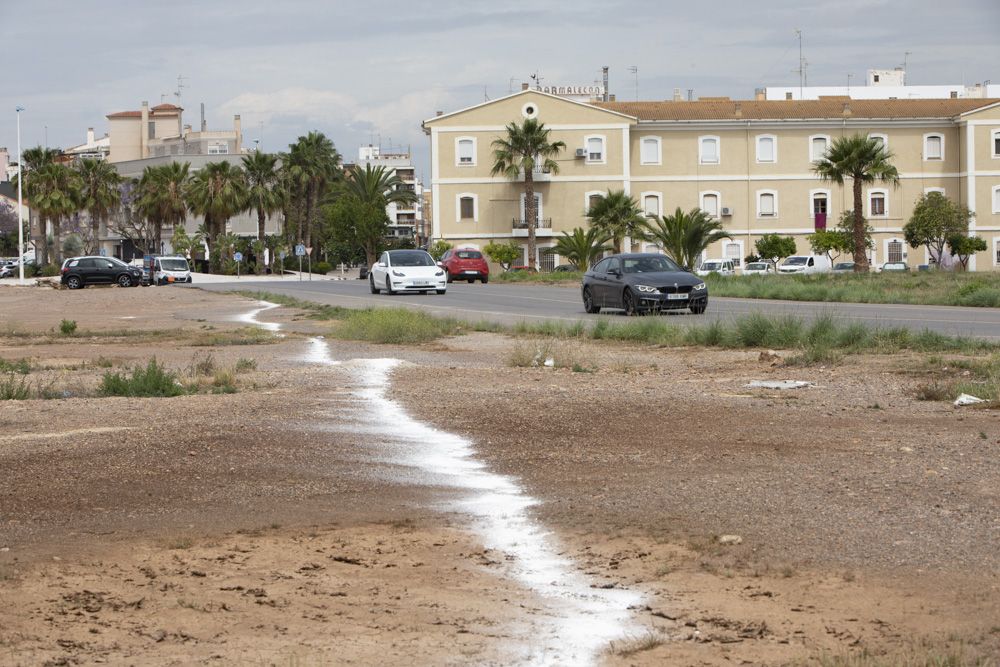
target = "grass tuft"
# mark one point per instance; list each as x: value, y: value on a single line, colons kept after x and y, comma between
x: 397, y: 326
x: 152, y: 380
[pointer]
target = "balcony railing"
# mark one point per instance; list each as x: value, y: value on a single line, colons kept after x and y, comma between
x: 544, y: 223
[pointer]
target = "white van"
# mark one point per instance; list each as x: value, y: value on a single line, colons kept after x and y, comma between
x: 806, y: 264
x: 173, y: 269
x: 724, y: 267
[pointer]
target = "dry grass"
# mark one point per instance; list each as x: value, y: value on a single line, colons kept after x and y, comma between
x: 630, y: 646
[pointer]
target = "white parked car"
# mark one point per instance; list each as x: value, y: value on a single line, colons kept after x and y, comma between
x: 758, y: 269
x: 805, y: 264
x: 407, y: 271
x: 724, y: 267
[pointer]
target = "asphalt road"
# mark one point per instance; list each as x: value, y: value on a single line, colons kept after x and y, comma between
x: 511, y: 303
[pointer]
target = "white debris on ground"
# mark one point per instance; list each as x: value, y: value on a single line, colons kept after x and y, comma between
x: 779, y: 384
x: 967, y: 399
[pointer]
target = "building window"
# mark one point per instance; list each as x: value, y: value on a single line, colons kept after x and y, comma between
x: 820, y: 203
x: 767, y: 148
x: 933, y: 147
x: 877, y: 204
x: 927, y: 191
x: 767, y: 204
x: 710, y: 203
x: 465, y: 150
x: 818, y: 145
x: 996, y: 198
x: 996, y: 143
x: 651, y: 205
x: 538, y: 208
x: 996, y: 250
x: 733, y: 251
x: 894, y: 251
x: 708, y: 150
x: 881, y: 138
x: 151, y: 130
x: 595, y: 149
x: 467, y: 207
x: 649, y: 150
x: 546, y: 260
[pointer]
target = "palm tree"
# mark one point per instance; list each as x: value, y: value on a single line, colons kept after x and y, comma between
x: 217, y: 192
x: 618, y: 215
x: 264, y: 192
x: 525, y: 148
x: 99, y: 193
x: 685, y: 236
x: 583, y: 247
x: 162, y: 199
x: 864, y: 160
x: 56, y: 192
x: 311, y: 165
x: 378, y: 185
x: 35, y: 159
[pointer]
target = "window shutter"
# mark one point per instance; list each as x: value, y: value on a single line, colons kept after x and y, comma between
x: 709, y: 150
x: 818, y: 148
x: 465, y: 151
x: 767, y: 204
x: 710, y: 204
x: 650, y: 154
x: 467, y: 208
x: 933, y: 148
x: 765, y: 149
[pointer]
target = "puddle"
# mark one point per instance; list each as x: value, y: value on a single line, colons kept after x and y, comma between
x: 251, y: 317
x: 577, y: 620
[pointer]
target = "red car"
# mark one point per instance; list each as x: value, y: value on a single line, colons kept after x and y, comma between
x: 465, y: 264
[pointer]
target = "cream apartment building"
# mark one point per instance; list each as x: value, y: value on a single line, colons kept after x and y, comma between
x: 747, y: 162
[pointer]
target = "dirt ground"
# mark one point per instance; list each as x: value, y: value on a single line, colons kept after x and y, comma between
x: 262, y: 526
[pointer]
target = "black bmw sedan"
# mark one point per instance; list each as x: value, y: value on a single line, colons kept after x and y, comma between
x: 642, y: 282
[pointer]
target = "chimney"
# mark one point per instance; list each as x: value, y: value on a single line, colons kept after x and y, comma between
x: 690, y: 94
x: 204, y: 125
x: 611, y: 98
x: 524, y: 86
x: 847, y: 110
x: 144, y: 131
x: 760, y: 94
x: 677, y: 95
x: 604, y: 72
x: 238, y: 129
x: 439, y: 113
x: 738, y: 110
x: 90, y: 136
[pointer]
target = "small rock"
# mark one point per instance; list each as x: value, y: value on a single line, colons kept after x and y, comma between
x: 906, y: 449
x: 550, y: 362
x: 730, y: 539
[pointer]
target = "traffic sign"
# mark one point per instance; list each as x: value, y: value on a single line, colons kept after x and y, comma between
x: 238, y: 256
x: 309, y: 251
x: 282, y: 255
x: 104, y: 252
x: 300, y: 250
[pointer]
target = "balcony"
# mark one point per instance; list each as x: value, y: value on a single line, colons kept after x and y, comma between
x: 537, y: 174
x: 543, y: 227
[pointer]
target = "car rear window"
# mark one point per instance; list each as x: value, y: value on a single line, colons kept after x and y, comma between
x: 469, y: 254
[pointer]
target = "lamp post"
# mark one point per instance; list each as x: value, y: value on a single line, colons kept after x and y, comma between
x: 20, y: 205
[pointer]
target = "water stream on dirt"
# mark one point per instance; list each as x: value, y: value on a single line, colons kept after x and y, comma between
x: 578, y: 619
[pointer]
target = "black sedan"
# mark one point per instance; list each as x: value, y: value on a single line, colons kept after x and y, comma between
x: 79, y: 272
x: 642, y: 282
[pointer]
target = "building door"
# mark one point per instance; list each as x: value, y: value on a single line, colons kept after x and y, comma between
x: 894, y: 251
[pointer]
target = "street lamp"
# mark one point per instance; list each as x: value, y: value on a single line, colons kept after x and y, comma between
x: 20, y: 204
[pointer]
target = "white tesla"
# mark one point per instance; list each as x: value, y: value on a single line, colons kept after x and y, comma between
x: 407, y: 271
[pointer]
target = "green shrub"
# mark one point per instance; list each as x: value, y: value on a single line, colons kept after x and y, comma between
x: 14, y: 388
x: 151, y: 380
x: 400, y: 326
x: 22, y: 366
x: 322, y: 268
x: 67, y: 327
x: 243, y: 365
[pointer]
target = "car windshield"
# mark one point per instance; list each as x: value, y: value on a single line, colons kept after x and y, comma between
x: 757, y: 266
x: 174, y: 264
x: 648, y: 264
x: 795, y: 261
x: 844, y: 265
x: 711, y: 266
x: 469, y: 254
x: 411, y: 258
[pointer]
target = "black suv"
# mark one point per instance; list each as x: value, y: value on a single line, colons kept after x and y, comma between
x: 79, y: 272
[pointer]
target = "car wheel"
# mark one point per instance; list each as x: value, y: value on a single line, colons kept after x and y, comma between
x: 699, y: 309
x: 125, y: 280
x: 388, y: 286
x: 74, y: 282
x: 371, y: 285
x: 484, y: 279
x: 440, y: 291
x: 588, y: 302
x: 628, y: 303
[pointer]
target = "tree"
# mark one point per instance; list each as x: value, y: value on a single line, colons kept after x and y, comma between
x: 864, y: 160
x: 99, y: 194
x: 583, y: 247
x: 34, y: 160
x: 685, y: 236
x: 310, y: 167
x: 935, y: 220
x: 162, y: 198
x: 775, y: 248
x: 217, y: 191
x: 378, y: 185
x: 56, y: 195
x: 524, y: 149
x: 357, y: 224
x: 618, y: 215
x: 264, y: 193
x: 834, y: 242
x: 186, y: 244
x: 504, y: 254
x: 964, y: 246
x: 439, y: 248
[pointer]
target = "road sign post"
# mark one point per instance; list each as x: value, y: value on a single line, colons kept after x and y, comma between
x: 238, y: 256
x: 300, y: 250
x: 282, y: 256
x: 309, y: 262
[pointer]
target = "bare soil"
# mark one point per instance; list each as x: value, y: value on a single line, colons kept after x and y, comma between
x: 246, y: 528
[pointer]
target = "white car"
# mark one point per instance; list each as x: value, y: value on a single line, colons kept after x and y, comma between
x: 758, y: 269
x: 407, y: 271
x: 724, y: 267
x: 805, y: 264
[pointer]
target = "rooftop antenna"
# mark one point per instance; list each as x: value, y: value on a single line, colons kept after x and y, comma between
x: 849, y: 77
x: 802, y: 64
x: 906, y: 57
x: 634, y: 69
x: 538, y: 81
x: 486, y: 96
x: 180, y: 86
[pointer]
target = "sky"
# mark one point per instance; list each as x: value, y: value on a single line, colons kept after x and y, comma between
x: 370, y: 72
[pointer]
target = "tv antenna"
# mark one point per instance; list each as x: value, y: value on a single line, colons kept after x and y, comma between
x: 906, y: 57
x: 180, y: 86
x: 634, y: 69
x: 538, y: 81
x: 803, y: 65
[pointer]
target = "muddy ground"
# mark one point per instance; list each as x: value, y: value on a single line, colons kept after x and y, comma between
x: 249, y: 527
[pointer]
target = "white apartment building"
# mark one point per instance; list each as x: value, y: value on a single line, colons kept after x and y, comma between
x: 405, y: 220
x: 882, y: 84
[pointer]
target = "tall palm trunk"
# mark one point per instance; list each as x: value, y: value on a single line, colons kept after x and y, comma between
x: 38, y: 225
x: 157, y: 236
x: 261, y: 219
x: 531, y: 214
x: 95, y: 228
x: 56, y: 237
x: 860, y: 248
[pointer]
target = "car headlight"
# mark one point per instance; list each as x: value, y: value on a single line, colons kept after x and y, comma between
x: 646, y: 288
x: 398, y: 274
x: 699, y: 287
x: 439, y: 273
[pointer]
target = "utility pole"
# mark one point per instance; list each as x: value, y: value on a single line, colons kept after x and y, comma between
x: 906, y: 56
x: 634, y: 69
x: 849, y: 77
x: 20, y: 202
x: 802, y: 65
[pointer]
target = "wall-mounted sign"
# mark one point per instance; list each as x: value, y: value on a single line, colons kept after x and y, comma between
x: 592, y: 90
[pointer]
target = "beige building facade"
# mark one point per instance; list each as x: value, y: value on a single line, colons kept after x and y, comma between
x: 747, y: 162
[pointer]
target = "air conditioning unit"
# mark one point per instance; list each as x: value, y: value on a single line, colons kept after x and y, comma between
x: 726, y: 211
x: 581, y: 152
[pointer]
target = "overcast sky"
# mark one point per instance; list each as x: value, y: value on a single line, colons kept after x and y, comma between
x: 359, y: 71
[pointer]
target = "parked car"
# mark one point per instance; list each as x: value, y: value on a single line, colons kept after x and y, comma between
x: 895, y: 266
x: 805, y: 264
x: 522, y: 268
x: 724, y: 267
x: 172, y: 269
x: 565, y: 268
x: 407, y: 271
x: 758, y: 269
x: 642, y: 282
x: 8, y: 271
x: 843, y: 267
x: 465, y: 264
x: 79, y: 272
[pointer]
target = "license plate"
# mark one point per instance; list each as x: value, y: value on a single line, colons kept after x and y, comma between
x: 676, y: 297
x: 422, y: 282
x: 470, y: 271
